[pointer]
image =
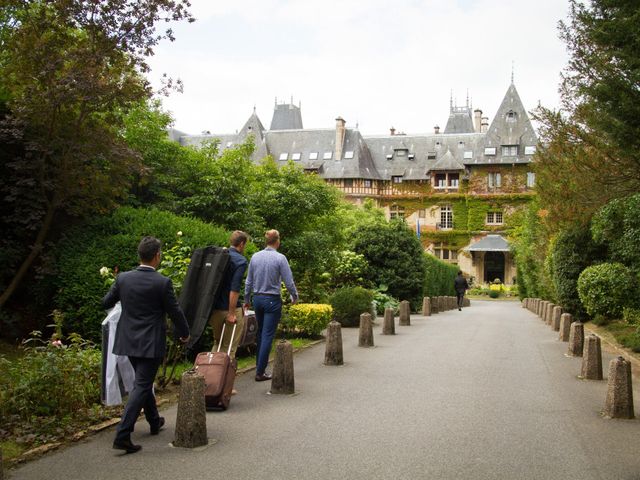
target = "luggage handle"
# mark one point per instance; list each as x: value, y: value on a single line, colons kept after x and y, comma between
x: 233, y: 333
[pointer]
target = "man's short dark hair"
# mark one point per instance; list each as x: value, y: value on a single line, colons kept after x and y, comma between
x: 148, y: 247
x: 238, y: 238
x: 459, y: 272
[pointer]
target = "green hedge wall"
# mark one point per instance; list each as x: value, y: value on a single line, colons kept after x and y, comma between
x: 112, y: 242
x: 439, y: 278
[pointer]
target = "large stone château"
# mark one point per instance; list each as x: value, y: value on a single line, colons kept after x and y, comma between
x: 458, y: 188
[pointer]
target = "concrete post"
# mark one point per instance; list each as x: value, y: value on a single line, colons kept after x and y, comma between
x: 389, y: 325
x: 576, y: 339
x: 565, y: 325
x: 333, y: 350
x: 405, y: 314
x: 426, y: 306
x: 548, y: 315
x: 366, y: 331
x: 540, y: 308
x: 555, y: 317
x: 191, y: 420
x: 592, y: 359
x: 524, y: 303
x: 619, y: 401
x: 283, y: 379
x: 434, y: 305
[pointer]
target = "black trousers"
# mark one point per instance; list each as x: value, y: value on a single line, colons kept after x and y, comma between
x: 460, y: 296
x: 141, y: 397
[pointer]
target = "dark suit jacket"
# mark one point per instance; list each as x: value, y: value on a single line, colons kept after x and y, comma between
x: 460, y: 284
x: 146, y: 298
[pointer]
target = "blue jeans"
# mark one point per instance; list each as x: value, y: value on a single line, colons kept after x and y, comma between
x: 268, y: 312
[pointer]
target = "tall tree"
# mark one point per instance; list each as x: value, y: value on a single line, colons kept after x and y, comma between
x: 68, y: 71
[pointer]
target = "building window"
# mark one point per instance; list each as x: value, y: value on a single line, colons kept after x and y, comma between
x: 422, y: 213
x: 446, y: 254
x: 494, y: 180
x: 511, y: 116
x: 468, y: 154
x: 367, y: 184
x: 348, y: 154
x: 313, y: 156
x: 327, y: 155
x: 284, y: 156
x: 490, y: 150
x: 453, y: 180
x: 531, y: 179
x: 441, y: 180
x: 400, y: 153
x: 296, y: 156
x: 412, y: 156
x: 396, y: 179
x: 431, y: 155
x: 530, y: 150
x: 348, y: 183
x: 446, y: 217
x: 509, y: 150
x: 494, y: 218
x: 396, y: 211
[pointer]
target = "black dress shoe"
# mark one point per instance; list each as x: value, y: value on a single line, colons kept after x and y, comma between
x: 126, y: 445
x: 263, y: 377
x: 156, y: 430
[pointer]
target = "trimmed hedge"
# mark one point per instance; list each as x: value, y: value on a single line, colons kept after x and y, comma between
x: 605, y: 289
x: 307, y: 318
x: 440, y: 276
x: 112, y: 242
x: 349, y: 303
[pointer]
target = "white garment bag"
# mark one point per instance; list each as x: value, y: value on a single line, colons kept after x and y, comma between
x: 118, y: 366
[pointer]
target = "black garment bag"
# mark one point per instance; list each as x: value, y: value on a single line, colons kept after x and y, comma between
x: 200, y: 288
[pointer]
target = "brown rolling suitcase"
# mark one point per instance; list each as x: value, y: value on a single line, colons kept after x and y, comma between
x: 219, y: 373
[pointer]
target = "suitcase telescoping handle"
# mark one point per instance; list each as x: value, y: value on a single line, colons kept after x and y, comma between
x: 233, y: 333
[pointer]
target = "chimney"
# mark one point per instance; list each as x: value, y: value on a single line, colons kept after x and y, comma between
x: 392, y: 131
x: 484, y: 125
x: 477, y: 120
x: 436, y: 129
x: 340, y: 133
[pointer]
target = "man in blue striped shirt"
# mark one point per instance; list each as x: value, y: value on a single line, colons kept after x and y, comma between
x: 267, y: 270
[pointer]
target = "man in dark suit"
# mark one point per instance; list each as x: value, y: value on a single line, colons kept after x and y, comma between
x: 146, y: 298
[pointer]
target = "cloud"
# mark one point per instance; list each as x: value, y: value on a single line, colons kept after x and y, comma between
x: 373, y: 62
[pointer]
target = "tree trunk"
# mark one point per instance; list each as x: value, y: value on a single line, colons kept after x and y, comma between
x: 35, y: 251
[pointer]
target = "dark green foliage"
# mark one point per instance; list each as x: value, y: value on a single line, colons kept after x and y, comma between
x: 395, y: 258
x: 617, y: 225
x: 572, y: 251
x: 606, y: 289
x: 439, y: 278
x: 631, y: 315
x: 112, y: 242
x: 348, y: 303
x: 627, y: 335
x: 494, y: 293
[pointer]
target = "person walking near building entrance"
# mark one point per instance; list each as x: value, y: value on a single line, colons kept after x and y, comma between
x: 460, y: 285
x: 267, y: 270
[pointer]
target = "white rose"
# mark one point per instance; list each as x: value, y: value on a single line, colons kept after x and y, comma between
x: 179, y: 234
x: 104, y: 271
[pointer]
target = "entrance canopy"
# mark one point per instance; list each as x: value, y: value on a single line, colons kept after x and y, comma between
x: 490, y: 243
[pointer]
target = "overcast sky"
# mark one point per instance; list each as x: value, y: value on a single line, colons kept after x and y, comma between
x: 375, y: 63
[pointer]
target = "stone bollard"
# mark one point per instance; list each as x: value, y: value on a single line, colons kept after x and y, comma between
x: 191, y: 420
x: 619, y: 402
x: 389, y: 325
x: 333, y: 350
x: 565, y: 326
x: 366, y: 331
x: 591, y: 359
x: 539, y: 309
x: 405, y: 313
x: 548, y: 314
x: 434, y: 305
x: 576, y: 339
x: 543, y: 307
x: 283, y: 379
x: 426, y: 306
x: 555, y: 317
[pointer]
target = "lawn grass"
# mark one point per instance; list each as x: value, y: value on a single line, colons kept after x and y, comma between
x: 625, y: 334
x: 11, y: 449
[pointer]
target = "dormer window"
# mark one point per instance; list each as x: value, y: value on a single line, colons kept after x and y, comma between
x: 411, y: 156
x: 490, y: 150
x: 529, y: 149
x: 509, y: 150
x: 431, y: 156
x: 348, y: 154
x: 396, y: 179
x: 295, y: 156
x: 468, y: 154
x: 313, y: 156
x: 389, y: 156
x: 400, y: 153
x: 511, y: 116
x: 327, y: 155
x: 283, y: 156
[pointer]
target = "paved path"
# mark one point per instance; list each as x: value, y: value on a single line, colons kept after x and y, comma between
x: 485, y: 393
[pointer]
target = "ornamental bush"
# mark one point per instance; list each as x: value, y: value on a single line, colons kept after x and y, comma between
x: 112, y: 242
x: 307, y: 319
x: 439, y: 277
x: 348, y: 303
x: 605, y: 289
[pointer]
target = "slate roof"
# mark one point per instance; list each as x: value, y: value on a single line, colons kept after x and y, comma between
x: 286, y: 116
x: 490, y: 243
x: 460, y: 120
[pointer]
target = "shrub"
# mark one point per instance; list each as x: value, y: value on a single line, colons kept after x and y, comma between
x: 112, y: 242
x: 307, y: 319
x: 383, y: 300
x: 617, y: 225
x: 572, y: 251
x: 494, y: 293
x: 51, y: 379
x: 604, y: 289
x: 348, y: 303
x: 631, y: 315
x: 439, y: 277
